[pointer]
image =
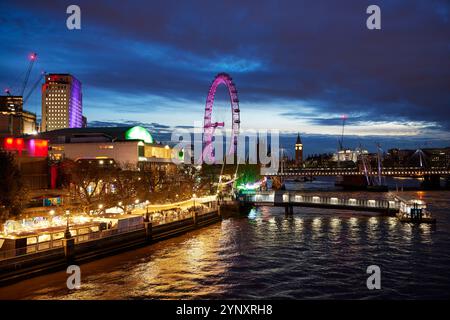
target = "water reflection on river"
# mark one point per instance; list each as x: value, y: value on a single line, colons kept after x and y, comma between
x: 314, y: 254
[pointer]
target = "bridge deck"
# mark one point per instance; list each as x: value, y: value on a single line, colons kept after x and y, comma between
x: 397, y: 172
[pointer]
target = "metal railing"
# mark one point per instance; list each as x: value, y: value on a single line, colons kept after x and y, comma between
x: 44, y: 249
x: 184, y: 216
x: 49, y: 247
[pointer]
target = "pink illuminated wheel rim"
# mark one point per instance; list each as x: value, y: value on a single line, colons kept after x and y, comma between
x: 209, y: 127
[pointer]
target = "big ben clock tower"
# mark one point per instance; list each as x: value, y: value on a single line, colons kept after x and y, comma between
x: 298, y: 152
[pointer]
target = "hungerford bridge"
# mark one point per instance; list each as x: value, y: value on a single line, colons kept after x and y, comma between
x: 394, y: 172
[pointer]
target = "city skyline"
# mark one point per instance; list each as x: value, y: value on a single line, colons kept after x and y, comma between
x: 225, y: 155
x: 288, y: 77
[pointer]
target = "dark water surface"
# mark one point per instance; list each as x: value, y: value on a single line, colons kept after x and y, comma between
x: 316, y: 254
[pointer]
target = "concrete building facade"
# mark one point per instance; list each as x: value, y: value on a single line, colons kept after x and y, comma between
x: 62, y: 102
x: 15, y: 121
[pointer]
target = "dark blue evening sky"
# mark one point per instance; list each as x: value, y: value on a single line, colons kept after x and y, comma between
x: 298, y: 65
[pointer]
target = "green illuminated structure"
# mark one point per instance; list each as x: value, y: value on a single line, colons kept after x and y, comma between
x: 139, y: 133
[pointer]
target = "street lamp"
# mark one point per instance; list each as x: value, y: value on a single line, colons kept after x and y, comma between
x: 194, y: 196
x: 100, y: 207
x: 52, y: 213
x: 135, y: 203
x: 67, y: 233
x: 146, y: 206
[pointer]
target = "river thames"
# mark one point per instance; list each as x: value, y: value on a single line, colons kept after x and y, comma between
x: 315, y: 254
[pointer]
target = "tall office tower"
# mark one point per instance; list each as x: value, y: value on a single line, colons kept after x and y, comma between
x: 62, y: 105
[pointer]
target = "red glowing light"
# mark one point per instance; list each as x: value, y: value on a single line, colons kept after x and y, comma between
x: 9, y: 141
x: 33, y: 147
x: 344, y: 116
x: 33, y: 56
x: 38, y: 148
x: 18, y: 144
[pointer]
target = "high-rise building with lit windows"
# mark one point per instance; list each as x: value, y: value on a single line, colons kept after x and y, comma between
x: 62, y: 105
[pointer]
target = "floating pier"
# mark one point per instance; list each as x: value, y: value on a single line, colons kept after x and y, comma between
x: 29, y: 254
x: 290, y: 199
x: 405, y: 209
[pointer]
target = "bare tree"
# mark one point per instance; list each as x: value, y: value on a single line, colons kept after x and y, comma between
x: 153, y: 183
x: 160, y: 183
x: 124, y: 187
x: 88, y: 183
x: 13, y: 193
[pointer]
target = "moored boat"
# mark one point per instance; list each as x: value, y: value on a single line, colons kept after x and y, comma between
x: 414, y: 211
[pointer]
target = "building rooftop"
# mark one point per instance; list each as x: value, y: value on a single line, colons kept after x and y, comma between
x: 96, y: 134
x: 299, y: 140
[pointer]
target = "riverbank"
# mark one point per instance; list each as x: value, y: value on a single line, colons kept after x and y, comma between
x: 77, y: 250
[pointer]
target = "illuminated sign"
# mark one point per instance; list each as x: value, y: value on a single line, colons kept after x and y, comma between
x: 38, y: 148
x: 34, y: 147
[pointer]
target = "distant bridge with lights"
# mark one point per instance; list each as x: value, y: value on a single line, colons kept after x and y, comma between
x: 393, y: 172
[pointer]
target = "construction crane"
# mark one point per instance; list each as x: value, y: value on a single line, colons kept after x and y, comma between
x: 32, y: 57
x: 38, y: 81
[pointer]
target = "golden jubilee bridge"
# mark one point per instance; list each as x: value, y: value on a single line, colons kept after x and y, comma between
x: 415, y: 172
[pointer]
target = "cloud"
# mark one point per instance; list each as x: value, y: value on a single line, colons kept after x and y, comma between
x: 297, y: 64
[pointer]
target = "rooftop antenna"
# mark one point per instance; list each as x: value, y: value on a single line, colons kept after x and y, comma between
x: 341, y: 142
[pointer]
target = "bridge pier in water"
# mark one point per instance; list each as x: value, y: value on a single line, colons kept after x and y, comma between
x: 289, y: 210
x: 431, y: 182
x: 447, y: 182
x: 351, y: 182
